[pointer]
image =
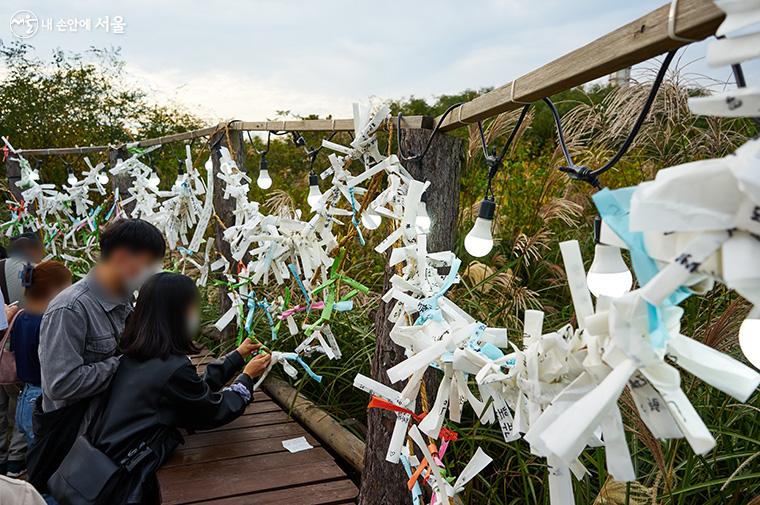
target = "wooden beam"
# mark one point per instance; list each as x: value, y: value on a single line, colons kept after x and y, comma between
x: 633, y: 43
x: 302, y: 125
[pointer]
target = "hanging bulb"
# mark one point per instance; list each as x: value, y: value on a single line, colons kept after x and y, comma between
x: 423, y: 218
x: 749, y: 337
x: 608, y: 275
x: 72, y: 179
x: 264, y: 181
x: 370, y: 219
x: 479, y: 241
x: 154, y: 180
x: 314, y: 193
x: 103, y: 178
x: 209, y: 164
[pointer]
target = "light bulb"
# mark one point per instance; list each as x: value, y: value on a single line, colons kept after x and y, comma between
x: 34, y: 175
x: 423, y: 219
x: 479, y: 241
x: 264, y: 181
x: 209, y: 164
x: 371, y: 220
x: 314, y: 193
x: 608, y: 275
x: 72, y: 179
x: 154, y: 180
x: 103, y: 178
x: 749, y: 337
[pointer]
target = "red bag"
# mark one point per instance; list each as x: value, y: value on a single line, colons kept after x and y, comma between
x: 7, y: 358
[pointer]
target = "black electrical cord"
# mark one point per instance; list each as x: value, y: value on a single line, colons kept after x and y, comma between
x: 418, y: 157
x: 741, y: 82
x: 588, y: 175
x: 265, y: 151
x: 492, y: 161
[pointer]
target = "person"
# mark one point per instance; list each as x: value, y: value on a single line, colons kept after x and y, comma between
x: 12, y: 445
x: 156, y: 390
x: 44, y: 282
x: 79, y: 336
x: 24, y: 249
x: 18, y: 492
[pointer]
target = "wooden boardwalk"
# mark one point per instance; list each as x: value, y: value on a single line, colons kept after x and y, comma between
x: 245, y: 463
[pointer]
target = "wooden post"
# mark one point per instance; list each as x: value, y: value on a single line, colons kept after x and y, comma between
x: 13, y: 172
x: 224, y: 208
x: 122, y: 182
x: 382, y: 482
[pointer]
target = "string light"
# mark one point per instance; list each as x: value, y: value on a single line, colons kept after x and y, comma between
x: 264, y: 181
x: 479, y: 241
x: 314, y: 193
x: 71, y: 179
x: 608, y: 275
x: 103, y: 177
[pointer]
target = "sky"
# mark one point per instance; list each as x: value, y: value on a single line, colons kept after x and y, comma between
x: 249, y: 59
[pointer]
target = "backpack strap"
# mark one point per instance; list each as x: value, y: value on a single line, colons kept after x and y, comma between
x: 7, y: 333
x: 4, y: 282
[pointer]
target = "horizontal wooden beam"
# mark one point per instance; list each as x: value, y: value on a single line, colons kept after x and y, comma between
x: 302, y: 125
x: 640, y: 40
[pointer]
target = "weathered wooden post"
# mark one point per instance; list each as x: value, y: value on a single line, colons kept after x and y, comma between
x: 13, y: 172
x: 121, y: 182
x: 384, y: 483
x: 223, y: 208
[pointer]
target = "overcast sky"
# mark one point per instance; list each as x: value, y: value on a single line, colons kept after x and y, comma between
x: 248, y: 59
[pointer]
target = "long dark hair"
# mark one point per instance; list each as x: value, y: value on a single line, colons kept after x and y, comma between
x: 158, y: 326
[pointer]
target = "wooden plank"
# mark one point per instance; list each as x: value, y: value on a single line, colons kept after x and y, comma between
x: 287, y: 430
x: 255, y: 420
x: 261, y: 406
x: 334, y: 492
x: 302, y: 125
x: 632, y: 43
x: 270, y: 471
x: 220, y: 452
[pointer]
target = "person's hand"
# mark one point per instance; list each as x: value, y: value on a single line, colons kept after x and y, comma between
x: 257, y: 365
x: 10, y: 311
x: 248, y: 347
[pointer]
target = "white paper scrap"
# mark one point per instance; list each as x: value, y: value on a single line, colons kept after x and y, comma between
x: 297, y: 444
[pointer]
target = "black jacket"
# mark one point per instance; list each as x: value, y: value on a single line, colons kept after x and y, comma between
x: 150, y: 399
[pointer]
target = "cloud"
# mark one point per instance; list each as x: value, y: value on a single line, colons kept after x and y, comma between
x: 248, y: 59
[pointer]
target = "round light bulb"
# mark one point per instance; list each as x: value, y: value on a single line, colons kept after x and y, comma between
x: 264, y: 181
x: 154, y: 180
x: 371, y: 220
x: 103, y: 178
x: 479, y: 241
x: 608, y: 275
x: 423, y: 219
x: 72, y: 179
x: 749, y: 339
x: 209, y: 164
x: 314, y: 194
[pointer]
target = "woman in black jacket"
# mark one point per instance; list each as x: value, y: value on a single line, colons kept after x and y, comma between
x: 157, y: 390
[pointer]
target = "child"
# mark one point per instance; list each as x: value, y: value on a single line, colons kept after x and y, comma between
x: 42, y: 283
